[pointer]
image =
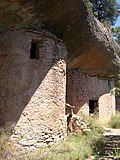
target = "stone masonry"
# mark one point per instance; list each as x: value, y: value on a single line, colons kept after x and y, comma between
x: 33, y: 89
x: 82, y: 88
x: 117, y: 103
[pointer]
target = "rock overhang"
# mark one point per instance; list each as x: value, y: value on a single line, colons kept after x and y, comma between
x: 90, y: 45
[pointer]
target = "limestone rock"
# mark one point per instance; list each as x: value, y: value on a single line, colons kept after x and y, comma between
x: 24, y: 142
x: 86, y: 39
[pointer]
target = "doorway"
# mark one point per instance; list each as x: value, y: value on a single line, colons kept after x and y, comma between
x: 93, y: 106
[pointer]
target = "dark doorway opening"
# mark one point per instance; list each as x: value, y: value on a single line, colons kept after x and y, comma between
x: 34, y: 51
x: 93, y: 106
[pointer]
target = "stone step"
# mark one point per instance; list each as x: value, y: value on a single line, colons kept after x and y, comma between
x: 112, y: 147
x: 112, y: 144
x: 111, y: 137
x: 116, y: 142
x: 109, y: 158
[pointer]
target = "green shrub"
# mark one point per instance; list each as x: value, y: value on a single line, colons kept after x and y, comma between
x: 94, y: 125
x: 115, y: 121
x: 96, y: 138
x: 117, y: 153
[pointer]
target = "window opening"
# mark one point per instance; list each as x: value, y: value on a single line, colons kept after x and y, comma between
x: 34, y: 51
x: 93, y: 106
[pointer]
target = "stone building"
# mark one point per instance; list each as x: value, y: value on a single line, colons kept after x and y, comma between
x: 90, y: 95
x: 33, y: 85
x: 71, y: 58
x: 118, y: 103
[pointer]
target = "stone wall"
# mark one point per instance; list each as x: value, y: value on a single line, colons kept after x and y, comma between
x: 118, y: 103
x: 82, y: 88
x: 32, y: 94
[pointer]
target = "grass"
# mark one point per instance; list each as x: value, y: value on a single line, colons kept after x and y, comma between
x: 117, y: 152
x: 115, y: 121
x: 6, y: 147
x: 74, y: 147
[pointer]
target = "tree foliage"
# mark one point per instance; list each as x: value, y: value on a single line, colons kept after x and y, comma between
x: 116, y: 34
x: 107, y: 10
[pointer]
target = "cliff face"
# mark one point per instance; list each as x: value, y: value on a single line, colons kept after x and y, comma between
x: 90, y: 45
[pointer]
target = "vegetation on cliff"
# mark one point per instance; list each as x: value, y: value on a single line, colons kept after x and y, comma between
x: 116, y: 34
x: 105, y: 10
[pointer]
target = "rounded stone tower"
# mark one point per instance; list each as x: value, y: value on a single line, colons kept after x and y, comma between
x: 33, y: 86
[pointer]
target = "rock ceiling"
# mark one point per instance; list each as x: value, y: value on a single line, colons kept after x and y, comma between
x: 90, y: 45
